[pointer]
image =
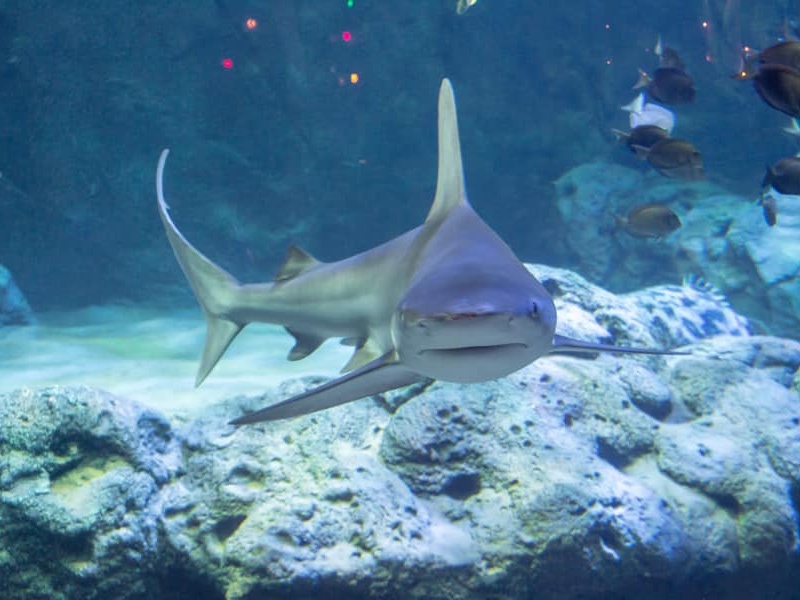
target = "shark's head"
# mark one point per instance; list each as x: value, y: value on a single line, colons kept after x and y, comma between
x: 472, y: 325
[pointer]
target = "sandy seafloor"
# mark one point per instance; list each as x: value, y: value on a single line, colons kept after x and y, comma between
x: 152, y: 356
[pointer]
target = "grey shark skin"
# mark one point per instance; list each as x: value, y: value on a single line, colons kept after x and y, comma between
x: 447, y: 300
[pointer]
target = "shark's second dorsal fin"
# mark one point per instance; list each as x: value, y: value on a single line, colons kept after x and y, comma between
x: 296, y: 262
x: 450, y: 179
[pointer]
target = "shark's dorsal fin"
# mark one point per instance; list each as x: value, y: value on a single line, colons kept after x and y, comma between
x: 304, y: 344
x: 297, y: 261
x: 450, y: 178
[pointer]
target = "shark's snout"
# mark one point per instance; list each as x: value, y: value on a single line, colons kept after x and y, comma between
x: 476, y: 343
x: 454, y: 330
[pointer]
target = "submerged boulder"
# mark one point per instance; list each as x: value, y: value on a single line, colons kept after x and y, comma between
x: 572, y: 478
x: 723, y: 238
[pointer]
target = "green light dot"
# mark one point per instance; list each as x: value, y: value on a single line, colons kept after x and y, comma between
x: 350, y: 3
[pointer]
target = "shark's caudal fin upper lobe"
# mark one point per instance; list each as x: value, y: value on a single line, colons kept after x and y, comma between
x: 214, y: 288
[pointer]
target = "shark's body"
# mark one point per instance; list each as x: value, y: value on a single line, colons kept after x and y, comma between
x: 447, y: 300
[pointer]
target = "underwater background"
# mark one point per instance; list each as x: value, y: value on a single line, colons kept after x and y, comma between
x: 314, y: 123
x: 282, y: 148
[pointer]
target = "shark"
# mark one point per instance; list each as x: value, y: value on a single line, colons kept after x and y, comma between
x: 448, y: 300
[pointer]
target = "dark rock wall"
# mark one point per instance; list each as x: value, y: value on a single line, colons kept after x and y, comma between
x: 277, y: 150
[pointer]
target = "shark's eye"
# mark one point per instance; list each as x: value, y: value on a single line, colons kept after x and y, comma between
x: 533, y: 311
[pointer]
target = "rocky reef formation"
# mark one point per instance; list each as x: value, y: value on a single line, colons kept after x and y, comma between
x: 724, y: 239
x: 571, y: 478
x: 14, y: 308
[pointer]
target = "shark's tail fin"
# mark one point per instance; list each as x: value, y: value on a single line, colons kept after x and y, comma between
x: 214, y: 287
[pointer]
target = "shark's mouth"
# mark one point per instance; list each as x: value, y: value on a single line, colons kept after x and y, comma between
x: 471, y: 351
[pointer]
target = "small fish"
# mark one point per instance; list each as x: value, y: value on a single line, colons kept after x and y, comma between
x: 667, y: 85
x: 649, y: 221
x: 784, y: 176
x: 674, y: 157
x: 463, y: 5
x: 779, y: 86
x: 770, y: 208
x: 642, y: 113
x: 643, y: 135
x: 783, y: 53
x: 668, y: 57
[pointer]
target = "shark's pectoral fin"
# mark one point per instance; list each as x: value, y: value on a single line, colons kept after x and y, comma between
x: 366, y: 352
x: 381, y: 375
x: 565, y: 345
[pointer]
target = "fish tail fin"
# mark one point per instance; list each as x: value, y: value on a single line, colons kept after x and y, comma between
x: 643, y: 80
x: 634, y: 106
x: 214, y: 288
x: 641, y: 151
x: 768, y: 176
x: 793, y: 128
x: 619, y: 221
x: 620, y: 135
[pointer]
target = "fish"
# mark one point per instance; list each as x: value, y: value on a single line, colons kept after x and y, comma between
x: 667, y: 85
x: 649, y: 113
x: 674, y: 157
x: 785, y: 53
x: 783, y: 176
x: 446, y: 300
x: 644, y: 136
x: 667, y: 57
x: 649, y: 221
x: 779, y: 87
x: 769, y: 207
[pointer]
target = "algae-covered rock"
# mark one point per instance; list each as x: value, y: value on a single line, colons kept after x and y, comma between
x: 80, y: 474
x: 573, y: 478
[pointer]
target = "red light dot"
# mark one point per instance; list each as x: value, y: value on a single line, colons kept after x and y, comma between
x: 227, y: 63
x: 250, y: 24
x: 347, y: 36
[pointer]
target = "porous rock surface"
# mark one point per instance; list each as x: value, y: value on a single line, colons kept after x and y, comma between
x: 572, y: 478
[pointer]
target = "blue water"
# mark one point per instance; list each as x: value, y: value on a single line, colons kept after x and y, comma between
x: 283, y: 148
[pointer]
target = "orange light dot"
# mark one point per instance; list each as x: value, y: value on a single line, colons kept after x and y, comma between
x: 250, y: 24
x: 354, y: 78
